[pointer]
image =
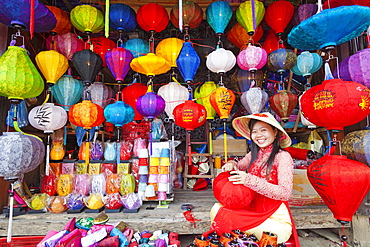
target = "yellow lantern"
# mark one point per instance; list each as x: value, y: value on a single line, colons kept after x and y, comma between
x: 87, y: 19
x: 202, y: 95
x: 169, y: 49
x: 223, y: 100
x: 244, y: 15
x: 150, y: 65
x: 52, y: 65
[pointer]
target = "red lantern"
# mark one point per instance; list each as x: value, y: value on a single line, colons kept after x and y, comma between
x: 152, y: 17
x: 239, y: 36
x: 100, y: 45
x: 342, y: 184
x: 63, y: 25
x: 278, y: 15
x: 192, y: 14
x: 271, y: 42
x: 335, y: 104
x: 283, y: 103
x: 130, y: 95
x: 190, y: 115
x: 222, y: 99
x: 86, y: 114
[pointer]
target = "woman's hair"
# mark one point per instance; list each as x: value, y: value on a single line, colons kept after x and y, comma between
x: 255, y: 148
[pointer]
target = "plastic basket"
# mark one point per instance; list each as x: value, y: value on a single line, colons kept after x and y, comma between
x: 21, y: 241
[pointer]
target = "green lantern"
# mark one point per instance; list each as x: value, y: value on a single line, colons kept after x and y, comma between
x: 19, y: 78
x: 250, y: 16
x: 202, y: 95
x: 87, y: 19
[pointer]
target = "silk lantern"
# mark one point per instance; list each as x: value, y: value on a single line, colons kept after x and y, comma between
x: 122, y: 17
x: 19, y: 78
x: 304, y: 121
x: 150, y: 65
x: 272, y: 42
x: 101, y: 45
x: 169, y: 49
x: 307, y: 64
x: 356, y: 147
x: 218, y: 16
x: 192, y: 15
x: 221, y: 61
x: 100, y: 93
x: 174, y: 94
x: 202, y: 95
x: 67, y: 91
x: 190, y: 115
x: 87, y: 64
x: 21, y: 112
x: 303, y: 12
x: 281, y: 60
x: 63, y: 24
x: 138, y: 47
x: 67, y: 44
x: 254, y: 100
x: 52, y: 65
x: 246, y: 79
x: 222, y: 100
x: 118, y: 61
x: 48, y: 117
x: 150, y: 105
x: 283, y: 103
x: 252, y: 58
x: 278, y: 15
x: 335, y: 104
x: 86, y: 114
x: 119, y: 113
x: 130, y: 95
x: 188, y: 61
x: 239, y: 37
x: 152, y: 17
x: 87, y: 18
x: 250, y: 14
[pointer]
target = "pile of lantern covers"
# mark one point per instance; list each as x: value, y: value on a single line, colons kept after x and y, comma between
x: 89, y: 232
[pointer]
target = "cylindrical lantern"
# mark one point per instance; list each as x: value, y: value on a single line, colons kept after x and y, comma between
x: 86, y: 114
x: 221, y: 61
x: 202, y: 95
x: 138, y: 47
x: 307, y: 64
x: 48, y: 117
x: 67, y: 44
x: 223, y: 100
x: 190, y: 115
x: 283, y: 103
x: 192, y: 15
x: 218, y: 15
x: 119, y: 113
x: 150, y: 105
x: 63, y: 24
x: 169, y: 49
x: 188, y: 61
x: 67, y: 91
x: 152, y: 17
x: 87, y: 64
x: 52, y: 65
x: 281, y: 60
x: 239, y: 37
x: 87, y: 18
x: 101, y: 45
x: 130, y: 95
x: 254, y: 100
x: 174, y: 94
x: 250, y: 16
x: 99, y: 93
x: 252, y: 58
x: 150, y: 65
x: 278, y: 15
x: 355, y: 145
x: 118, y: 61
x: 122, y: 17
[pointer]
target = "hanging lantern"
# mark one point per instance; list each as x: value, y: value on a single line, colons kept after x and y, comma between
x: 122, y: 17
x: 67, y: 91
x: 342, y: 184
x: 99, y: 93
x: 272, y: 42
x: 355, y: 146
x: 218, y: 15
x: 19, y: 78
x: 283, y: 103
x: 87, y: 64
x: 250, y: 16
x: 86, y: 114
x: 307, y: 64
x: 188, y: 61
x: 101, y: 45
x: 152, y: 17
x: 254, y: 100
x: 278, y: 15
x: 21, y: 113
x: 190, y: 115
x: 192, y: 15
x: 63, y: 24
x: 52, y: 65
x: 87, y: 19
x: 119, y: 113
x: 67, y: 44
x: 303, y: 12
x: 150, y: 105
x: 338, y: 3
x: 252, y: 58
x: 169, y: 49
x: 130, y: 95
x: 223, y: 100
x: 118, y: 62
x: 174, y: 94
x: 19, y: 154
x: 138, y: 47
x: 304, y: 121
x: 245, y: 79
x: 335, y: 104
x: 150, y: 65
x: 239, y: 37
x: 281, y: 60
x: 48, y: 117
x: 202, y: 95
x: 221, y: 61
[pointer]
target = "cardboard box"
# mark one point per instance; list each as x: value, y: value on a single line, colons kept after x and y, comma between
x: 237, y: 147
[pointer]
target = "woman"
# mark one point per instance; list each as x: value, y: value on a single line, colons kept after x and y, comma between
x: 267, y: 170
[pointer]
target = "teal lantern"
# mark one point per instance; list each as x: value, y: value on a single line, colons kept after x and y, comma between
x: 119, y: 113
x: 67, y: 91
x: 218, y: 15
x: 138, y: 47
x: 307, y: 64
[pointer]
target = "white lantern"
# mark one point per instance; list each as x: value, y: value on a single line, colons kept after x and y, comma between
x: 174, y: 94
x: 254, y: 100
x: 99, y: 93
x: 220, y: 61
x: 48, y: 117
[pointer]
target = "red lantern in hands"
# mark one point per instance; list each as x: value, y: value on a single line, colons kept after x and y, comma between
x: 190, y: 115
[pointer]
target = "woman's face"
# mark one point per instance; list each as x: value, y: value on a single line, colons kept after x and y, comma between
x: 263, y: 134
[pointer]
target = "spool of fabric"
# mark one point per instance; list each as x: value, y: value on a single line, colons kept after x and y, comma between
x: 143, y: 162
x: 153, y: 170
x: 143, y: 178
x: 153, y: 178
x: 154, y: 161
x: 155, y: 185
x: 162, y: 195
x: 164, y: 170
x: 165, y: 161
x: 142, y: 187
x: 165, y: 152
x: 143, y: 153
x: 143, y: 170
x: 163, y: 178
x: 156, y: 153
x: 163, y: 187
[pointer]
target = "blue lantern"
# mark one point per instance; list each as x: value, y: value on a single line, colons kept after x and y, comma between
x: 138, y: 47
x: 122, y: 17
x: 67, y: 91
x: 218, y: 15
x: 150, y: 105
x: 307, y: 64
x: 22, y: 114
x: 119, y: 113
x: 188, y: 61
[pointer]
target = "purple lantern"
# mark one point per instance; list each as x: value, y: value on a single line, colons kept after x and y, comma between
x: 303, y: 12
x: 150, y: 105
x: 118, y: 62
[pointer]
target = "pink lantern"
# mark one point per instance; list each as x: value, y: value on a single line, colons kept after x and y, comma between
x: 252, y: 58
x: 67, y: 44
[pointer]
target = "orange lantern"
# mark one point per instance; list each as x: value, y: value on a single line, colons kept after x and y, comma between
x: 283, y: 103
x: 86, y: 114
x: 223, y: 100
x: 63, y: 25
x: 239, y: 37
x: 192, y: 15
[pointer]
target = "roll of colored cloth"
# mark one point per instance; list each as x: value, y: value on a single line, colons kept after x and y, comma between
x: 163, y: 187
x: 165, y: 161
x: 164, y: 170
x: 153, y: 170
x: 143, y: 170
x: 143, y: 178
x: 143, y: 153
x: 165, y: 152
x: 156, y: 152
x: 154, y: 161
x: 143, y: 162
x: 142, y: 186
x: 162, y: 195
x: 153, y: 178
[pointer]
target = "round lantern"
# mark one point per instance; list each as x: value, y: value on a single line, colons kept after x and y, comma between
x: 130, y: 95
x: 169, y: 49
x: 272, y: 42
x: 150, y: 65
x: 341, y: 190
x: 87, y: 64
x: 52, y: 65
x: 254, y: 100
x: 303, y: 12
x: 67, y: 91
x: 87, y: 19
x: 63, y: 24
x: 239, y: 37
x: 188, y: 61
x: 222, y: 99
x: 307, y: 64
x: 174, y: 94
x: 250, y: 16
x: 119, y: 113
x: 335, y: 104
x: 218, y: 15
x: 138, y: 47
x: 67, y: 44
x: 118, y: 61
x: 221, y: 61
x: 86, y: 114
x: 192, y: 15
x: 190, y: 115
x: 48, y: 117
x: 355, y: 146
x: 150, y: 105
x: 122, y: 17
x: 283, y: 103
x: 19, y: 78
x: 203, y: 94
x: 19, y: 154
x: 101, y: 45
x: 152, y: 17
x: 246, y: 79
x: 252, y: 58
x: 278, y: 15
x: 99, y: 93
x: 281, y: 60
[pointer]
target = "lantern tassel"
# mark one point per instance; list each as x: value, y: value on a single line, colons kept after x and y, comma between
x: 32, y: 18
x: 47, y: 165
x: 180, y: 15
x: 10, y: 222
x: 87, y: 148
x: 225, y: 142
x: 107, y: 6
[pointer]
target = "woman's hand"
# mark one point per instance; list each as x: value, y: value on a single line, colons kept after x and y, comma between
x: 238, y: 177
x: 229, y: 166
